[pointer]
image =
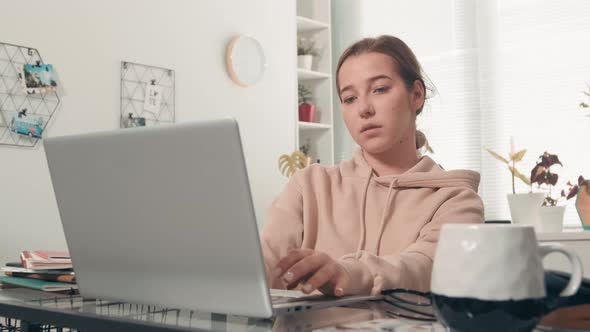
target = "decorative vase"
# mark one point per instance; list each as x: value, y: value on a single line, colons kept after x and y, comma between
x: 551, y: 219
x: 307, y: 112
x: 524, y: 208
x: 583, y: 205
x: 305, y: 61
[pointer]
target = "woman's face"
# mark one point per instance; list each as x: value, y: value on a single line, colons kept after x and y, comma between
x: 378, y: 108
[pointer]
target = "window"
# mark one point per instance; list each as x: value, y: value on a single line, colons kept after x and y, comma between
x: 521, y: 75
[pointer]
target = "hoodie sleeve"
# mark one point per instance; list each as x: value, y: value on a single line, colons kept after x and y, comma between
x: 412, y: 268
x: 283, y: 230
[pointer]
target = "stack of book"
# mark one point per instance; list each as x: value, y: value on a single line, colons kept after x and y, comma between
x: 41, y: 269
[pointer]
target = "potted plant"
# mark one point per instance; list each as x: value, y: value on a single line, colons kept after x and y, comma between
x: 307, y: 111
x: 305, y: 52
x: 551, y: 214
x: 523, y: 206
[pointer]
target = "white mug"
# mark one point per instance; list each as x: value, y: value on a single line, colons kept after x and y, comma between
x: 491, y: 277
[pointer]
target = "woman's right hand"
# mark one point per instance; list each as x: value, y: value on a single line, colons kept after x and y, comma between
x: 312, y: 270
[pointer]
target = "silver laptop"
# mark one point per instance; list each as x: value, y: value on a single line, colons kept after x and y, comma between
x: 164, y: 215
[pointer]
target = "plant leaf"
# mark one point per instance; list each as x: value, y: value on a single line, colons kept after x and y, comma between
x: 549, y: 201
x: 552, y: 178
x: 538, y: 174
x: 497, y: 156
x: 549, y: 160
x: 518, y: 156
x: 573, y: 192
x: 288, y: 165
x: 519, y: 175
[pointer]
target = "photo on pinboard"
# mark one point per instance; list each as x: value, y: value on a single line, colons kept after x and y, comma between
x: 37, y: 78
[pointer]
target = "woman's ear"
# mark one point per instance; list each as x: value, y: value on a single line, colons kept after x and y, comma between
x: 417, y: 95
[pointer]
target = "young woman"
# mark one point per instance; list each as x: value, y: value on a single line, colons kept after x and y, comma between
x: 370, y: 223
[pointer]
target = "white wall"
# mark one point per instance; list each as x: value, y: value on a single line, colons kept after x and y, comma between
x: 86, y: 41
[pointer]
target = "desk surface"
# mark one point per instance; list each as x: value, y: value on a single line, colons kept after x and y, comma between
x: 73, y: 311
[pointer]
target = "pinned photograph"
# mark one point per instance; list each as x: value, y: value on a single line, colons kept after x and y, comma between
x: 27, y: 125
x: 153, y: 98
x: 37, y: 78
x: 132, y: 122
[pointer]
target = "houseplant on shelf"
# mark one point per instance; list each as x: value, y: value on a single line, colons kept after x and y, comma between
x: 305, y: 52
x: 307, y: 111
x: 523, y: 206
x: 551, y: 214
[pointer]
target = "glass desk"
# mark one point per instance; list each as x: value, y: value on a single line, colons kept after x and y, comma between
x: 32, y: 311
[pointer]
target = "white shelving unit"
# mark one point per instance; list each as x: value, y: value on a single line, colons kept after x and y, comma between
x: 305, y: 24
x: 313, y: 21
x: 313, y: 126
x: 306, y: 75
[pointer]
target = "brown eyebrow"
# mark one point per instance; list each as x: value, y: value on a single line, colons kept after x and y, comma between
x: 371, y: 79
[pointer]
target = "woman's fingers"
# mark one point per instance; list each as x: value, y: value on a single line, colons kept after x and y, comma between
x: 292, y: 258
x: 314, y: 270
x: 338, y: 284
x: 304, y: 268
x: 326, y: 273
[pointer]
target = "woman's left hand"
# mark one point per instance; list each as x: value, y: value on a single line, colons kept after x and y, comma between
x: 314, y: 270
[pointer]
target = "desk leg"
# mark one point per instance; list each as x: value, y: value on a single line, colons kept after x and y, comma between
x: 29, y: 327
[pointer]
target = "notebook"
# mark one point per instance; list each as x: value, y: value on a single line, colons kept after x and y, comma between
x: 47, y: 286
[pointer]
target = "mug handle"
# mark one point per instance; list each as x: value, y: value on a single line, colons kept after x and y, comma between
x: 576, y: 277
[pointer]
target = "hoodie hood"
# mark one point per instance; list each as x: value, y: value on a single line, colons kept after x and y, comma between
x: 425, y: 174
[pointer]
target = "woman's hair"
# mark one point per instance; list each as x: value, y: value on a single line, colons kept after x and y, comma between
x: 404, y: 59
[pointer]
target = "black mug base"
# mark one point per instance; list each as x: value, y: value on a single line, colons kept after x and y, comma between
x: 469, y: 314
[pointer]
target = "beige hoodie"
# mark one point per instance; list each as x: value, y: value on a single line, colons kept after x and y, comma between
x: 382, y: 229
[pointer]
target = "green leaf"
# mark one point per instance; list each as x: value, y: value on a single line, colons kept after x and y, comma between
x: 497, y: 156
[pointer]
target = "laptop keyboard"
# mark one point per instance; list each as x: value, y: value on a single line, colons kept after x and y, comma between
x: 279, y: 296
x: 283, y: 299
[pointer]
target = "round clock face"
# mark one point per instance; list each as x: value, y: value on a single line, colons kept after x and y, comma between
x: 245, y: 60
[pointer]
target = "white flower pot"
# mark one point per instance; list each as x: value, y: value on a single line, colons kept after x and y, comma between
x: 551, y: 219
x: 524, y: 208
x: 305, y: 61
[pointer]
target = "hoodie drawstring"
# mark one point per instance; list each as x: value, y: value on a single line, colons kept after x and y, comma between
x: 383, y: 216
x: 363, y: 234
x: 361, y: 242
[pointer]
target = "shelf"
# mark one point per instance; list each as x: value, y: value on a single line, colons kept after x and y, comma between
x: 304, y: 74
x: 305, y: 24
x: 313, y: 126
x: 312, y: 20
x: 573, y: 234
